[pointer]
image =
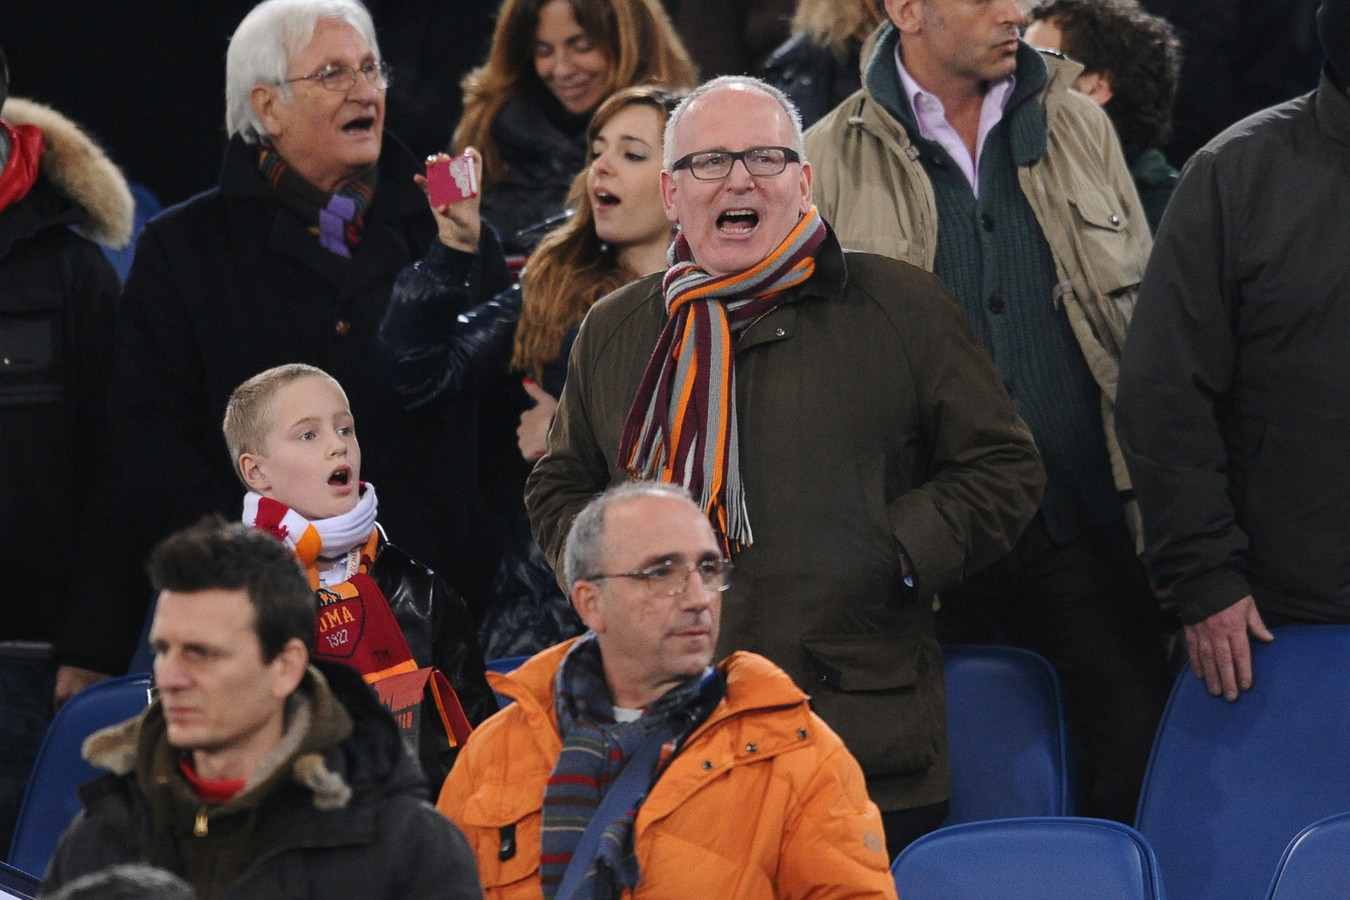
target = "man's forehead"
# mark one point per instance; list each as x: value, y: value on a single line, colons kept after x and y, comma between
x: 742, y: 111
x: 650, y: 525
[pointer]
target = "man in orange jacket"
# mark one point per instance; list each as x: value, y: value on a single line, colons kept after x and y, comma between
x: 630, y: 765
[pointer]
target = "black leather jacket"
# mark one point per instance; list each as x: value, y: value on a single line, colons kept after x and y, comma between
x: 437, y: 625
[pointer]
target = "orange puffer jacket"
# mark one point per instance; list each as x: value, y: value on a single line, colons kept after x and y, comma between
x: 763, y: 801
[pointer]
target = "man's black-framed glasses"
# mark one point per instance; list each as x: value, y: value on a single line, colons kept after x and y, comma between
x: 668, y: 578
x: 714, y: 165
x: 340, y: 79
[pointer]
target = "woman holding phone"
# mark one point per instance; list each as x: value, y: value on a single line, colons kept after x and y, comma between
x: 456, y: 325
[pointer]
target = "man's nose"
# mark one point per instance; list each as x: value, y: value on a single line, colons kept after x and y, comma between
x: 739, y: 176
x: 168, y: 670
x: 1012, y: 13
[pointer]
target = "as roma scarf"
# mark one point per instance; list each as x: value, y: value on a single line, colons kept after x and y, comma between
x: 682, y: 425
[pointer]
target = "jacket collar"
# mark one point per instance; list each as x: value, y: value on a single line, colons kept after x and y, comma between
x: 753, y: 683
x: 1331, y: 107
x: 81, y: 172
x: 316, y: 721
x: 1025, y: 119
x: 397, y: 201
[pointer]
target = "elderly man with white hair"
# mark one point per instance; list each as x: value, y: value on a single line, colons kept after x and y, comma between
x: 291, y: 258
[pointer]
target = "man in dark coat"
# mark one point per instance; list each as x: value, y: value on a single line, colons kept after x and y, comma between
x: 256, y: 774
x: 841, y: 425
x: 57, y: 294
x: 291, y: 258
x: 1234, y: 402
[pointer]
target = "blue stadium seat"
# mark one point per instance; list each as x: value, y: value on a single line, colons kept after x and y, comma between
x: 1229, y: 785
x: 1007, y: 735
x: 17, y: 884
x: 504, y: 665
x: 1036, y: 858
x: 51, y: 802
x: 1314, y: 865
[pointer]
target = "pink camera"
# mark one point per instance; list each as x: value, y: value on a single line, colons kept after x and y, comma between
x: 451, y: 179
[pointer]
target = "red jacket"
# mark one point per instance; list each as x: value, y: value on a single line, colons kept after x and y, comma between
x: 763, y: 801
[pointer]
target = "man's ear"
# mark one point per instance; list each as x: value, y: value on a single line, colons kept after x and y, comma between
x: 1097, y: 86
x: 586, y: 601
x: 668, y: 197
x: 250, y: 467
x: 288, y: 668
x: 264, y: 99
x: 906, y: 15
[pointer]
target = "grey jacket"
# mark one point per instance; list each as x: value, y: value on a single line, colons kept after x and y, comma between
x: 871, y: 421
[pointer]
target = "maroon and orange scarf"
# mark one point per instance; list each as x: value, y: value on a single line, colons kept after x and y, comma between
x: 682, y: 427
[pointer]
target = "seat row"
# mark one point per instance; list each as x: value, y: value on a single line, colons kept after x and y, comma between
x: 1229, y: 785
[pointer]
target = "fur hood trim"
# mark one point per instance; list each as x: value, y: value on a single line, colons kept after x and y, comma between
x: 114, y: 748
x: 79, y: 168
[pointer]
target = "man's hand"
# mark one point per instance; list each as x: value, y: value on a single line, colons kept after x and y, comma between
x: 1219, y: 650
x: 532, y: 435
x: 70, y: 680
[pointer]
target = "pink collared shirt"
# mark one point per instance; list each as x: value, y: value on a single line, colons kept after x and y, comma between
x: 933, y: 124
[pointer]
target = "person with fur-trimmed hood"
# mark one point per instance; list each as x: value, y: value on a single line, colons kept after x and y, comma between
x: 258, y: 773
x: 57, y: 293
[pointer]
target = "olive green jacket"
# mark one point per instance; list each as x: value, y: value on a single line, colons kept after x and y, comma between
x: 870, y: 185
x: 871, y: 420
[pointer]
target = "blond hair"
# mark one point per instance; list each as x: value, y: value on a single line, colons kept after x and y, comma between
x: 833, y: 22
x: 248, y: 414
x: 635, y: 36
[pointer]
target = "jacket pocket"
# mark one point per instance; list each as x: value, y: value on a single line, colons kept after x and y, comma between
x: 507, y: 851
x: 882, y: 694
x: 1109, y: 245
x: 31, y: 329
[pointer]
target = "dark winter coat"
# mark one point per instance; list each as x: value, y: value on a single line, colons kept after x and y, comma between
x: 543, y: 147
x: 1234, y: 402
x: 871, y: 421
x: 231, y: 283
x: 426, y: 350
x: 57, y: 296
x: 339, y: 811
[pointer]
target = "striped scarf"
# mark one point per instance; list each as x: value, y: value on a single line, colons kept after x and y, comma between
x: 337, y: 219
x: 682, y: 425
x: 595, y: 750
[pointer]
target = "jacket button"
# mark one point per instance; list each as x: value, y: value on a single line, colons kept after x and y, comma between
x: 707, y: 764
x: 801, y: 734
x: 752, y: 747
x: 342, y: 328
x: 779, y: 332
x: 987, y: 222
x: 1115, y: 219
x: 996, y: 304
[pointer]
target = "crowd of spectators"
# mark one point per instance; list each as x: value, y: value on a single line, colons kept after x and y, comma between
x: 971, y: 322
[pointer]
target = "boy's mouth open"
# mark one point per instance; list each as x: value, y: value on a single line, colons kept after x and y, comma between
x: 341, y: 477
x: 738, y: 221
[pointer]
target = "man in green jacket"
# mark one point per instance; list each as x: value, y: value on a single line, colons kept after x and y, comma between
x: 966, y: 153
x: 834, y: 416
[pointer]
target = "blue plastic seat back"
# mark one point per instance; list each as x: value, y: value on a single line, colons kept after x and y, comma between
x: 1006, y: 733
x: 1316, y: 864
x: 17, y: 883
x: 505, y: 665
x: 51, y: 801
x: 1036, y: 858
x: 1229, y: 785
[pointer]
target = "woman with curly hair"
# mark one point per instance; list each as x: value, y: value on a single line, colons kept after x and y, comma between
x: 456, y: 326
x: 526, y: 108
